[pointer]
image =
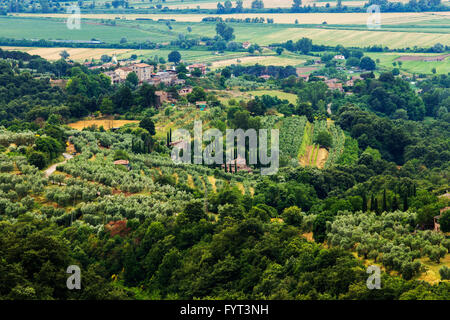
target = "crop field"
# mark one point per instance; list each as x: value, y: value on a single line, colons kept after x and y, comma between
x: 209, y: 4
x: 292, y: 98
x: 287, y: 18
x: 262, y: 60
x: 354, y: 38
x: 263, y: 34
x: 107, y: 124
x: 76, y: 54
x: 412, y: 66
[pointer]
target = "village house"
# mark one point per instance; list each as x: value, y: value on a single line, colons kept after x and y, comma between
x: 160, y: 98
x: 169, y: 78
x: 239, y: 163
x: 113, y: 76
x: 123, y: 72
x: 246, y: 45
x: 124, y: 163
x: 143, y: 71
x: 185, y: 91
x: 334, y: 84
x: 339, y: 57
x: 61, y: 83
x: 182, y: 144
x: 305, y: 77
x: 265, y: 77
x: 199, y: 66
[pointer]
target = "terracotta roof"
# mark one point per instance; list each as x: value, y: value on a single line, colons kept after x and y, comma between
x: 197, y: 65
x: 122, y: 162
x: 141, y: 65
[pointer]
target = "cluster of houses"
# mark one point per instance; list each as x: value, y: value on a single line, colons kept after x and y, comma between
x: 146, y: 74
x: 334, y: 83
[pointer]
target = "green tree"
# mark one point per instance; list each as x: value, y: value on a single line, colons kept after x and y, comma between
x: 324, y: 139
x: 367, y: 64
x: 37, y: 159
x: 148, y: 124
x: 107, y: 106
x: 225, y: 31
x: 174, y: 57
x: 132, y: 78
x: 444, y: 221
x: 293, y: 216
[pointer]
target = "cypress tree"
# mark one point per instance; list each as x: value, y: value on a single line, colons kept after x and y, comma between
x: 235, y: 166
x: 395, y: 204
x: 375, y: 204
x: 405, y: 202
x: 372, y: 203
x: 364, y: 202
x: 384, y: 201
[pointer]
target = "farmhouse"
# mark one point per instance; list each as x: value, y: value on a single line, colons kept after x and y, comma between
x: 115, y: 78
x: 305, y: 77
x: 265, y: 77
x: 239, y: 164
x: 333, y: 84
x: 143, y: 71
x: 169, y: 78
x: 161, y: 97
x: 339, y: 57
x: 199, y: 66
x: 123, y: 72
x: 185, y: 91
x: 124, y: 163
x: 61, y: 83
x: 246, y: 45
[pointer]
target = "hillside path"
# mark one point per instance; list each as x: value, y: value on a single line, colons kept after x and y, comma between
x: 52, y: 168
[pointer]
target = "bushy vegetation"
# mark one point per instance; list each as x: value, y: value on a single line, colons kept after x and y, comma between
x: 140, y: 225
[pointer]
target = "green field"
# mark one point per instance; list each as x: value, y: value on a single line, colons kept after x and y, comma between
x: 263, y: 34
x: 292, y: 98
x: 387, y: 58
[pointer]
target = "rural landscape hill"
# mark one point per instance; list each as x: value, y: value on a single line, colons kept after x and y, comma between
x: 224, y: 150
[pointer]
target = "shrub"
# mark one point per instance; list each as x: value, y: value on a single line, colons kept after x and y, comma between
x: 445, y: 273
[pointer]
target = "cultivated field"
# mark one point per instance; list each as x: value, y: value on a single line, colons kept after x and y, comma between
x: 209, y: 4
x: 292, y: 98
x: 303, y: 18
x: 262, y: 60
x: 412, y: 66
x: 263, y: 34
x: 352, y: 37
x: 76, y: 54
x: 107, y: 124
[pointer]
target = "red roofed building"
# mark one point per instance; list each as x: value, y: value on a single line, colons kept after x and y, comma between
x: 143, y: 71
x: 239, y: 163
x: 199, y: 66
